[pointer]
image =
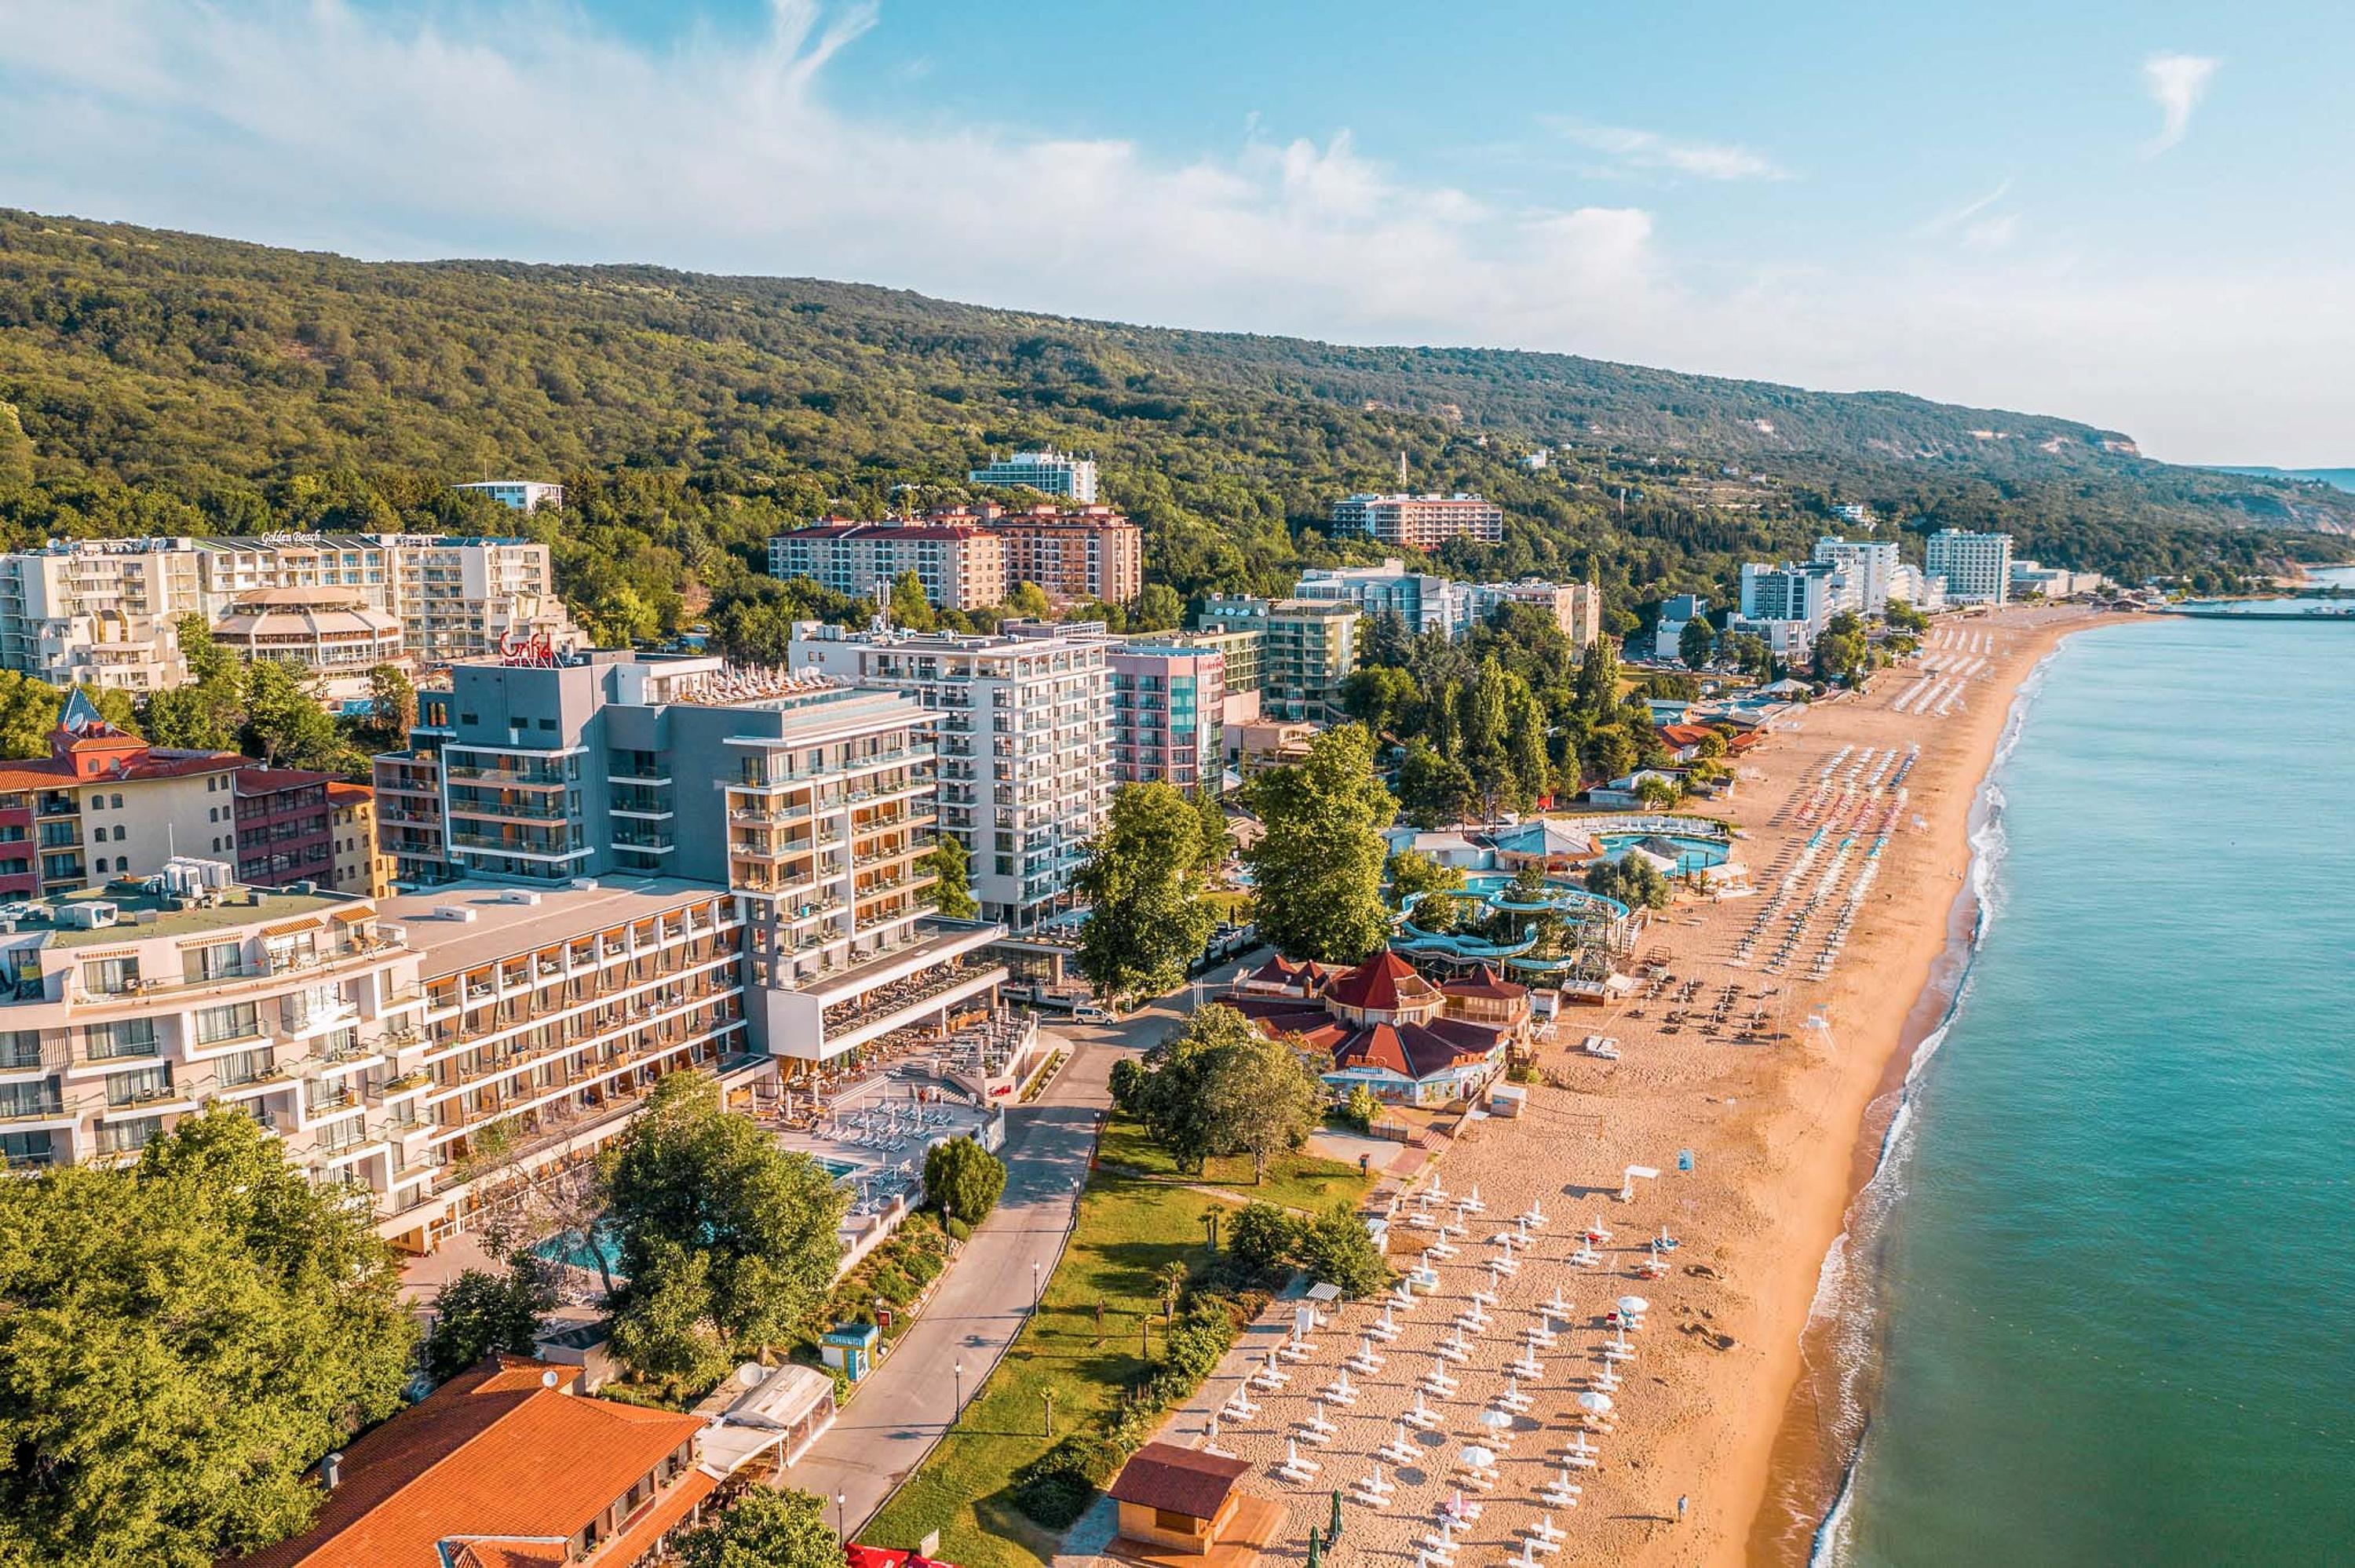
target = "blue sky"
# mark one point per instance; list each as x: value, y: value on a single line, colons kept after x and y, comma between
x: 2120, y: 212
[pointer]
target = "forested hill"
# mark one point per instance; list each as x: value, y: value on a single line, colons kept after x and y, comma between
x: 158, y: 382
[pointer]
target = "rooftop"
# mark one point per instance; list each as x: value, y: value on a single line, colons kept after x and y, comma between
x: 1179, y: 1480
x: 505, y: 918
x: 140, y: 915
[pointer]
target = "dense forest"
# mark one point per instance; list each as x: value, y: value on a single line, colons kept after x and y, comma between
x: 162, y: 383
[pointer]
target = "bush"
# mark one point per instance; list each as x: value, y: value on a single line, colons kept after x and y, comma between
x: 959, y: 1231
x: 1362, y: 1109
x: 963, y: 1178
x: 1056, y: 1487
x: 1265, y: 1239
x: 1336, y: 1249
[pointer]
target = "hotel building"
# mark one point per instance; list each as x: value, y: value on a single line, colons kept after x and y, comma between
x: 1865, y: 568
x: 1307, y: 649
x: 970, y: 557
x: 1430, y: 603
x: 1051, y: 472
x: 105, y: 612
x: 1977, y: 566
x: 1024, y: 723
x: 1167, y: 706
x: 1420, y: 522
x: 515, y: 494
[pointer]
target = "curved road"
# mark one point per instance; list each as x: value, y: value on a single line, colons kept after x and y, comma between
x: 979, y: 1305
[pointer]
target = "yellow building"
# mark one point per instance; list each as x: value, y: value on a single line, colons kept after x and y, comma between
x: 361, y: 866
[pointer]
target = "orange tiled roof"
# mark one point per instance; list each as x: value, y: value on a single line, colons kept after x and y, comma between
x: 495, y: 1459
x: 1383, y: 983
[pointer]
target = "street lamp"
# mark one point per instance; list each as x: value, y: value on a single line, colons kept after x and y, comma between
x: 841, y: 1500
x: 960, y: 1395
x: 1037, y: 1286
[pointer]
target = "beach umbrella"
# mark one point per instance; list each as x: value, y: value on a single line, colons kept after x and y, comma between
x: 1595, y: 1404
x: 1634, y: 1306
x: 1477, y: 1458
x: 1498, y: 1419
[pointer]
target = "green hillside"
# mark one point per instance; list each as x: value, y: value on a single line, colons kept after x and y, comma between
x: 157, y: 382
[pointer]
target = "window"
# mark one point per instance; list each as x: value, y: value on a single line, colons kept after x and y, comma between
x: 42, y: 1099
x: 237, y: 1021
x: 119, y: 830
x: 221, y: 960
x: 127, y: 1137
x: 1176, y: 1522
x: 118, y: 802
x: 97, y: 802
x: 135, y: 1088
x: 240, y: 1068
x: 111, y: 977
x: 102, y: 862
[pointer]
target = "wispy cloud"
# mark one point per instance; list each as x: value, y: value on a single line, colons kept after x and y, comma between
x: 2176, y: 83
x: 1651, y: 152
x: 1978, y: 223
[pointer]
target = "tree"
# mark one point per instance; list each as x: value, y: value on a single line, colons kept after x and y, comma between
x: 480, y: 1311
x: 1433, y: 791
x: 1335, y: 1248
x: 667, y: 1332
x: 1218, y: 841
x: 1598, y: 680
x: 28, y: 713
x: 1484, y: 709
x: 1159, y: 609
x: 285, y: 724
x: 1527, y: 749
x: 1147, y: 916
x: 392, y: 705
x: 950, y: 869
x: 1166, y: 1092
x: 1750, y: 653
x: 1696, y: 642
x: 1659, y: 792
x: 1901, y: 615
x: 1609, y: 753
x: 1412, y: 873
x: 1317, y: 870
x: 1028, y: 599
x: 1263, y: 1238
x: 1840, y: 654
x: 180, y: 1340
x: 1260, y: 1098
x: 1632, y: 880
x: 717, y: 1224
x: 963, y: 1178
x: 1363, y: 1107
x: 763, y: 1529
x: 910, y: 606
x: 1380, y: 697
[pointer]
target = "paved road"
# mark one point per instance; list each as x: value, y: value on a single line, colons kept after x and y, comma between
x: 886, y: 1431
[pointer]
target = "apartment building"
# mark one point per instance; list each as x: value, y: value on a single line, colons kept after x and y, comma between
x: 1091, y: 553
x: 140, y: 1001
x: 1168, y: 705
x: 2028, y: 576
x: 515, y: 494
x: 1429, y: 603
x: 1307, y: 649
x: 961, y: 564
x: 286, y: 828
x: 105, y: 612
x: 1977, y: 566
x: 1789, y: 605
x: 1420, y: 522
x: 1865, y: 568
x: 361, y: 866
x: 1049, y: 472
x: 810, y: 801
x: 970, y: 558
x: 1676, y: 612
x: 1576, y: 608
x: 1024, y: 727
x: 1912, y: 585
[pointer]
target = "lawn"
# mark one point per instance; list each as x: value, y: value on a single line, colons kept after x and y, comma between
x: 1294, y: 1181
x: 1129, y: 1228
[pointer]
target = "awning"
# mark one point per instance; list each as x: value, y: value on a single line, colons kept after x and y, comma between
x: 291, y: 929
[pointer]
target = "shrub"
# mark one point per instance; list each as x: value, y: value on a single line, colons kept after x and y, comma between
x: 963, y: 1178
x: 1265, y: 1238
x: 1054, y: 1488
x: 1336, y: 1249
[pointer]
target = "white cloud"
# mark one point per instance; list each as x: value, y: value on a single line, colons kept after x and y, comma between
x: 1648, y: 151
x: 530, y: 133
x: 2176, y: 83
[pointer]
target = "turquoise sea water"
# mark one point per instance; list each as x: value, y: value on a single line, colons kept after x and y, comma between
x: 2116, y: 1266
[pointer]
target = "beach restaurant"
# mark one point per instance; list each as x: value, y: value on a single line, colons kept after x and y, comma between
x: 1384, y: 1027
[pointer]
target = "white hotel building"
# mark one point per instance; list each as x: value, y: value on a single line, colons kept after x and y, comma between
x: 1977, y: 566
x: 1025, y: 733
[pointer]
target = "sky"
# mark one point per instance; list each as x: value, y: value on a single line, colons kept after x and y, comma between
x: 2113, y: 210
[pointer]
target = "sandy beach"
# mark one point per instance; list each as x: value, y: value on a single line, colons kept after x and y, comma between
x: 1781, y: 1134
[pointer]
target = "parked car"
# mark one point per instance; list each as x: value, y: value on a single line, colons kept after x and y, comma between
x: 1091, y: 1015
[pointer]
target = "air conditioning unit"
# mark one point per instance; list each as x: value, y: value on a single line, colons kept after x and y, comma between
x: 458, y: 912
x: 518, y: 896
x: 86, y: 917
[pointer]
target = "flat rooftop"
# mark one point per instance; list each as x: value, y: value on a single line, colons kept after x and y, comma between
x: 139, y: 915
x: 509, y: 918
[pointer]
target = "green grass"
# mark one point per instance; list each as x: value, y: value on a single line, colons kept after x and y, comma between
x: 1129, y: 1226
x: 1294, y: 1181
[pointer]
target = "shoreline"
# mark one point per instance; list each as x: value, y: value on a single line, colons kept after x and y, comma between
x: 1811, y: 1451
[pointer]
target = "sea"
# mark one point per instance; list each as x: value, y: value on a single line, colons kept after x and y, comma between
x: 2100, y: 1294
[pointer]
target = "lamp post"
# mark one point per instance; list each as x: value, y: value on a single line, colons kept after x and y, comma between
x: 841, y: 1500
x: 959, y: 1410
x: 1038, y: 1285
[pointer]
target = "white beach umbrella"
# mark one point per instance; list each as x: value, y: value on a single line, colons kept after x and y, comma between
x: 1477, y: 1458
x: 1499, y: 1419
x: 1595, y: 1404
x: 1634, y: 1306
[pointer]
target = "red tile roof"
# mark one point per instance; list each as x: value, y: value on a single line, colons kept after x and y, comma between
x: 1684, y: 735
x: 493, y: 1457
x: 1383, y: 983
x: 1181, y: 1480
x: 1484, y: 982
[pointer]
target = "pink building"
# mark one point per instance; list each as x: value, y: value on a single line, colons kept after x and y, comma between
x: 1166, y: 701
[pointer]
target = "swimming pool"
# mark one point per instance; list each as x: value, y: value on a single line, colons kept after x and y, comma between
x: 1693, y: 853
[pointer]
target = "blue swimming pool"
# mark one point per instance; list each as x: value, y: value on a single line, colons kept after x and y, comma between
x: 1693, y: 853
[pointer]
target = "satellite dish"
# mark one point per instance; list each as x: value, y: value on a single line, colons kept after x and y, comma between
x: 547, y: 1380
x: 750, y: 1373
